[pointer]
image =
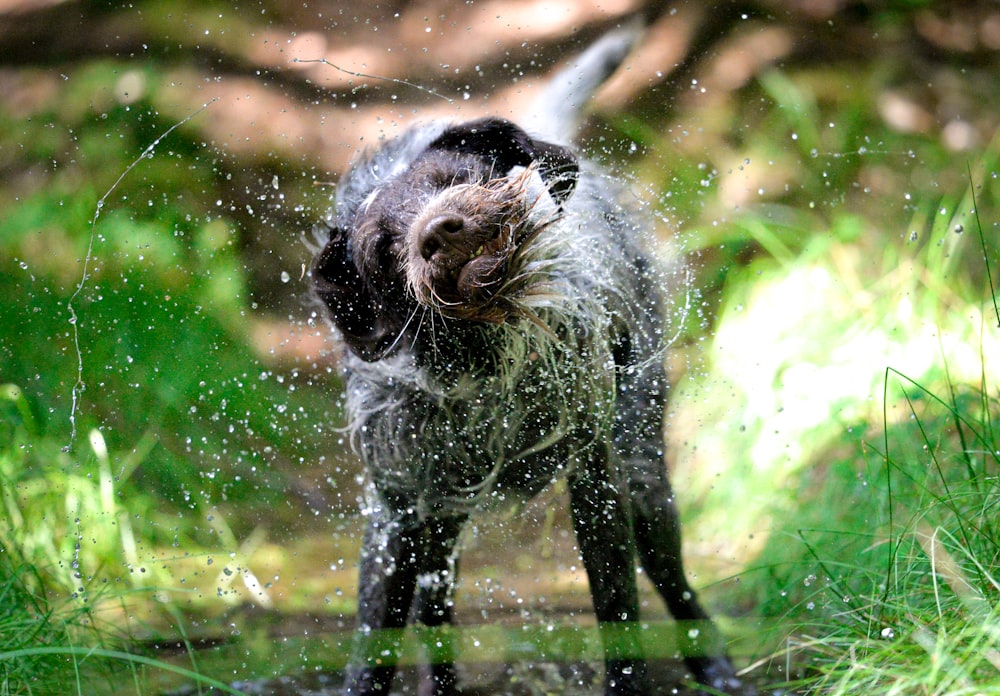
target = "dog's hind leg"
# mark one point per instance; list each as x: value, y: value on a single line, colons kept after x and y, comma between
x: 657, y: 530
x: 658, y: 539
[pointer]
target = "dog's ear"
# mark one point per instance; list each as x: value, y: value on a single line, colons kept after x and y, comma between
x: 508, y: 146
x: 360, y: 316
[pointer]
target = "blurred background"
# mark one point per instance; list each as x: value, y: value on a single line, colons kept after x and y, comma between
x: 173, y: 473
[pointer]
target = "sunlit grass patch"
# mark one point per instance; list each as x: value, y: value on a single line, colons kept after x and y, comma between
x: 64, y: 514
x: 845, y: 415
x: 806, y: 330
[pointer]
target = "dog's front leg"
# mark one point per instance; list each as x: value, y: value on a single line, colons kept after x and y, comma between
x: 603, y: 532
x: 434, y: 606
x: 387, y: 578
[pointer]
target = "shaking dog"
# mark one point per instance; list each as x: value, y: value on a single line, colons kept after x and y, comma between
x: 504, y: 327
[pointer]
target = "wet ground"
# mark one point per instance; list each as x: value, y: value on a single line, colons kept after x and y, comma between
x: 531, y: 678
x: 524, y: 620
x: 583, y: 679
x: 511, y: 656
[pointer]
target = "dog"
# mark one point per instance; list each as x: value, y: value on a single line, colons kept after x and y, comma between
x: 503, y: 322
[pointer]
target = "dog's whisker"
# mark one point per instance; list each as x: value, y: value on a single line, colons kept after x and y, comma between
x: 399, y: 336
x: 526, y: 313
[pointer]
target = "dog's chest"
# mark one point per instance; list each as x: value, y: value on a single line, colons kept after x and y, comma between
x: 483, y: 442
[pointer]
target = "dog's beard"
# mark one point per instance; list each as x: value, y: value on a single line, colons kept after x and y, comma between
x: 492, y: 267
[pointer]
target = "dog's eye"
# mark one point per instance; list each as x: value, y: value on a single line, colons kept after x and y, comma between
x: 444, y: 179
x: 387, y: 246
x: 384, y: 244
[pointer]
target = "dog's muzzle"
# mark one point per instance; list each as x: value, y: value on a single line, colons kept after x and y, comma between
x: 464, y: 265
x: 462, y: 246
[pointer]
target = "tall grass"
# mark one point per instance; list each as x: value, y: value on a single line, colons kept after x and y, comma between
x: 34, y: 634
x: 68, y: 515
x: 931, y: 624
x: 929, y: 621
x: 880, y: 571
x: 70, y: 561
x: 64, y: 647
x: 67, y: 546
x: 844, y: 416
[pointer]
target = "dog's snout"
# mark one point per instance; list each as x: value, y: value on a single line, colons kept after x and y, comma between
x: 439, y: 233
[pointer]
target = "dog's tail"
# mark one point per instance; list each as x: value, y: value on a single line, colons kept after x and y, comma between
x: 555, y: 115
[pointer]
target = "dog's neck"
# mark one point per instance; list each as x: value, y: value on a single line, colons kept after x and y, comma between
x: 459, y: 345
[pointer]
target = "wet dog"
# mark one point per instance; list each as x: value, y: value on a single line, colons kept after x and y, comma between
x: 504, y: 327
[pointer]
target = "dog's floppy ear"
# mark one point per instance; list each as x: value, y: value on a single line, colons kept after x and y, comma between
x: 508, y: 146
x: 359, y: 315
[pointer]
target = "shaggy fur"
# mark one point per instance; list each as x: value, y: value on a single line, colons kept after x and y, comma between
x: 504, y: 328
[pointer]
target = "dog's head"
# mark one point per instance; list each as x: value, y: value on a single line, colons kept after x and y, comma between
x: 442, y: 232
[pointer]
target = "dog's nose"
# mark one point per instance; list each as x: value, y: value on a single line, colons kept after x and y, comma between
x: 440, y: 232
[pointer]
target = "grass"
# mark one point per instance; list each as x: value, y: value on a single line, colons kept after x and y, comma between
x: 71, y: 564
x: 876, y: 439
x: 64, y: 514
x: 35, y: 638
x: 65, y: 648
x: 927, y: 618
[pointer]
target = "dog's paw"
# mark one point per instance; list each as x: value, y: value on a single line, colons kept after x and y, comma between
x: 626, y: 678
x: 719, y: 674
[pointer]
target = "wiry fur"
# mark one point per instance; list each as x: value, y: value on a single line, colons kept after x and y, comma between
x: 504, y: 325
x: 535, y: 384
